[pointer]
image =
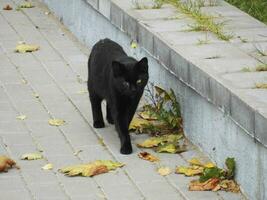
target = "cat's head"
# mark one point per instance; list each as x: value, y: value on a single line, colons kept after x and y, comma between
x: 130, y: 76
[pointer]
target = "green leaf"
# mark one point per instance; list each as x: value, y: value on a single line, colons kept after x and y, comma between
x: 213, y: 172
x: 230, y: 164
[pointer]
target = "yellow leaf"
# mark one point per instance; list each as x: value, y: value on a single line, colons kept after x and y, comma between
x: 6, y: 163
x: 56, y: 122
x: 189, y: 171
x: 147, y: 156
x: 31, y: 156
x: 156, y: 141
x: 48, y: 166
x: 195, y: 161
x: 209, y: 165
x: 136, y: 123
x: 21, y: 117
x: 91, y: 169
x: 261, y: 85
x: 23, y: 48
x: 164, y: 171
x: 151, y: 142
x: 169, y: 148
x: 26, y: 5
x: 133, y: 45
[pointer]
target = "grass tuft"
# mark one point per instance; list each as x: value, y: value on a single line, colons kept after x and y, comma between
x: 203, y: 22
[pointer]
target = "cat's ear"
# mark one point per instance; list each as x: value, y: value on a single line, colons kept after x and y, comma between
x: 117, y: 68
x: 142, y: 65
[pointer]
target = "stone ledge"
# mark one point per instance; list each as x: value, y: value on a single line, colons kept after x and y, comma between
x: 165, y: 40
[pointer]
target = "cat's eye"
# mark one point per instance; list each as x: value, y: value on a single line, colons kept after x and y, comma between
x: 126, y: 84
x: 139, y: 81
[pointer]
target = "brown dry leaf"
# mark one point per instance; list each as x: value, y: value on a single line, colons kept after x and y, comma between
x: 6, y: 163
x: 7, y: 7
x: 137, y: 123
x: 228, y: 185
x: 164, y: 171
x: 91, y: 169
x: 147, y: 156
x: 210, y: 184
x: 189, y: 171
x: 23, y: 48
x: 56, y: 122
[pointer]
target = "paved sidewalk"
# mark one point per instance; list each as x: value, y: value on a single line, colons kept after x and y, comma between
x: 58, y: 73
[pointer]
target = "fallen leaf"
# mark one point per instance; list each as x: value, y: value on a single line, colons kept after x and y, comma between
x: 170, y: 148
x: 156, y: 141
x: 56, y: 122
x: 137, y: 123
x: 91, y: 169
x: 195, y: 161
x: 209, y: 165
x: 23, y: 48
x: 21, y: 117
x: 204, y: 186
x: 151, y: 142
x: 147, y: 156
x: 31, y: 156
x: 48, y: 166
x: 261, y: 85
x: 164, y: 171
x: 133, y: 45
x: 26, y: 5
x: 189, y: 171
x: 229, y: 186
x: 6, y: 163
x: 7, y: 7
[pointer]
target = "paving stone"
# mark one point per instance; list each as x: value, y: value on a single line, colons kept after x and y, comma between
x: 55, y: 67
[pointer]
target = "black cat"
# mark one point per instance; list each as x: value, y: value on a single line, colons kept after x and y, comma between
x: 120, y: 80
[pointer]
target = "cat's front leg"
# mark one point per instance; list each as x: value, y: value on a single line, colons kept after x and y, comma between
x: 121, y: 124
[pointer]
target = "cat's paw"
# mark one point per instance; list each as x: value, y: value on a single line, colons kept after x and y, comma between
x: 99, y: 124
x: 126, y: 149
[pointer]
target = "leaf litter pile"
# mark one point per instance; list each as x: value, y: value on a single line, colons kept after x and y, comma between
x: 162, y: 120
x: 211, y: 177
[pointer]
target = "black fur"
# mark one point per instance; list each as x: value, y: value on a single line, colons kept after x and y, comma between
x: 120, y: 80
